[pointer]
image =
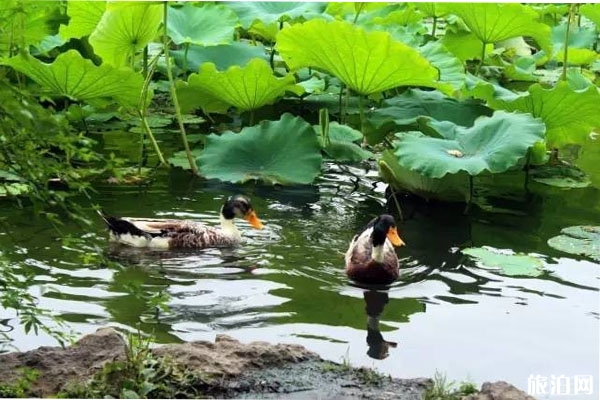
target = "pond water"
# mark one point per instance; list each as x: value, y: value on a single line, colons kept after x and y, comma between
x: 287, y: 283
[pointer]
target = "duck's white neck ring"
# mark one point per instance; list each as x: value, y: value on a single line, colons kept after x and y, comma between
x: 227, y: 225
x: 377, y: 253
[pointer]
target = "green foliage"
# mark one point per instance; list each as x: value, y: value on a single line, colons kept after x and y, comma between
x: 492, y: 144
x: 24, y: 23
x: 124, y: 29
x: 442, y: 389
x: 591, y: 12
x: 563, y: 176
x: 285, y: 152
x: 205, y: 25
x: 579, y: 240
x: 339, y: 143
x: 268, y: 12
x: 506, y: 262
x: 21, y: 387
x: 367, y: 62
x: 451, y: 69
x: 83, y: 18
x: 223, y: 56
x: 76, y: 78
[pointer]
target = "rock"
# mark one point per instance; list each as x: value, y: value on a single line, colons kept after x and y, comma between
x: 499, y: 391
x: 57, y: 366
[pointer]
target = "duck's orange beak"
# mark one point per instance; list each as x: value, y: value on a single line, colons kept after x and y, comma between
x: 392, y: 235
x: 253, y: 220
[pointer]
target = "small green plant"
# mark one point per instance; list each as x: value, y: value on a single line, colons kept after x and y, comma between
x: 21, y: 387
x: 442, y: 389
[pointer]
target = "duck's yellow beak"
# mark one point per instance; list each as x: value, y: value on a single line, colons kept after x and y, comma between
x: 392, y: 235
x: 253, y: 220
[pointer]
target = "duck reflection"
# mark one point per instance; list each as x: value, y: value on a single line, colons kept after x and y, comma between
x: 375, y: 302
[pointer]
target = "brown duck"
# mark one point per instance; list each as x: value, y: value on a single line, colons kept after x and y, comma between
x: 183, y: 234
x: 371, y: 258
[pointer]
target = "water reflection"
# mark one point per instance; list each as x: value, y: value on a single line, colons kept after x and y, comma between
x: 375, y: 302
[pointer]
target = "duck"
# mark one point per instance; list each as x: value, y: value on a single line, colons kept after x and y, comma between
x: 371, y: 258
x: 183, y: 234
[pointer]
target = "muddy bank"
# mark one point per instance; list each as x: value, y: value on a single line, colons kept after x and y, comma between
x: 226, y: 368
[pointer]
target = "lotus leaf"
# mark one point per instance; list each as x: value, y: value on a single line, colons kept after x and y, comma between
x: 452, y: 71
x: 341, y: 144
x: 285, y: 151
x: 83, y: 18
x: 492, y: 144
x: 591, y: 12
x: 124, y: 29
x: 493, y: 22
x: 432, y: 9
x: 223, y: 56
x: 580, y: 240
x: 206, y: 25
x: 367, y: 62
x: 570, y: 115
x: 77, y: 78
x: 509, y: 263
x: 562, y: 176
x: 246, y: 88
x: 25, y: 24
x: 580, y: 43
x: 268, y: 12
x: 464, y: 45
x: 587, y: 160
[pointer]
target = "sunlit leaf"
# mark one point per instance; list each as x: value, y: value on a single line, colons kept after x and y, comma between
x: 77, y: 78
x: 206, y: 25
x: 507, y: 262
x: 492, y: 144
x: 579, y: 240
x: 246, y: 88
x: 493, y: 22
x: 464, y: 45
x: 83, y: 18
x: 580, y: 44
x: 223, y: 56
x: 432, y: 9
x: 587, y: 160
x: 591, y: 12
x: 451, y: 69
x: 24, y: 23
x: 285, y: 152
x: 368, y: 62
x: 268, y: 12
x: 124, y: 29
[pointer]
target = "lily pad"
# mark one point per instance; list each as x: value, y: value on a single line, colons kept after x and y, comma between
x: 507, y: 262
x: 246, y: 88
x: 285, y: 152
x: 562, y: 176
x: 223, y: 56
x: 205, y: 25
x: 579, y: 240
x: 492, y: 144
x: 124, y: 29
x: 367, y: 62
x: 77, y: 78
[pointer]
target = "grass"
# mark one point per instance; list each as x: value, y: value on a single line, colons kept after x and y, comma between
x: 442, y: 389
x: 21, y: 387
x: 366, y: 376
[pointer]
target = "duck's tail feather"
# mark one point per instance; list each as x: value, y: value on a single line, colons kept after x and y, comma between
x: 119, y: 226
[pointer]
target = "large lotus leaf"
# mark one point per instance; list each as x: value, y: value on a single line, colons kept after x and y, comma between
x: 367, y: 62
x: 580, y: 44
x: 246, y: 88
x: 587, y: 160
x: 493, y: 22
x: 580, y: 240
x: 206, y: 25
x: 591, y: 12
x: 570, y: 115
x: 507, y: 262
x: 73, y: 76
x: 223, y: 56
x: 492, y: 144
x: 563, y: 176
x: 463, y: 44
x: 432, y: 9
x: 452, y: 70
x: 83, y: 18
x: 268, y: 12
x: 341, y: 144
x: 25, y: 23
x: 124, y: 29
x: 285, y: 152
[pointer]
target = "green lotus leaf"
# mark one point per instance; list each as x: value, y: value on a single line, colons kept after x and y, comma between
x: 451, y: 69
x: 493, y: 22
x: 399, y: 14
x: 580, y: 43
x: 285, y: 152
x: 268, y: 12
x: 464, y: 45
x: 562, y: 176
x: 77, y: 78
x: 246, y: 88
x: 492, y: 144
x: 124, y: 29
x: 25, y: 23
x: 193, y: 96
x: 570, y: 115
x: 223, y: 56
x: 580, y: 240
x: 205, y: 25
x: 83, y: 18
x: 341, y: 144
x: 591, y: 12
x: 432, y: 9
x: 367, y: 62
x: 507, y: 262
x: 587, y: 160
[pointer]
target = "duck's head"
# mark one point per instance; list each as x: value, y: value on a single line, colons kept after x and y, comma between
x: 241, y: 207
x: 385, y: 227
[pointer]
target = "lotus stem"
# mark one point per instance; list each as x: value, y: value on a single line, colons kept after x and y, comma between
x: 360, y: 7
x: 361, y: 113
x: 145, y: 62
x: 400, y: 214
x: 341, y: 118
x: 482, y: 58
x: 468, y: 207
x: 434, y: 25
x: 563, y: 76
x: 173, y: 92
x: 185, y: 55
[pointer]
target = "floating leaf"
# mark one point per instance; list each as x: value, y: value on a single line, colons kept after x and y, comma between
x: 492, y: 144
x: 77, y: 78
x: 246, y: 88
x: 285, y: 151
x: 124, y: 29
x: 509, y: 263
x: 368, y: 62
x: 269, y: 12
x: 83, y: 18
x: 580, y: 240
x: 562, y: 176
x: 223, y: 56
x: 206, y: 25
x: 342, y: 145
x: 493, y: 22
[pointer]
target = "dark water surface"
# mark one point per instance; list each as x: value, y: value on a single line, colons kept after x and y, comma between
x: 287, y: 283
